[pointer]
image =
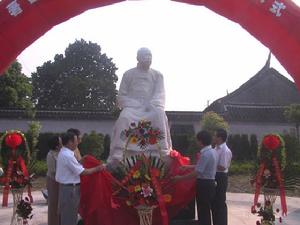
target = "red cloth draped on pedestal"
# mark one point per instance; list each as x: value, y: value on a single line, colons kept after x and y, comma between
x: 96, y: 207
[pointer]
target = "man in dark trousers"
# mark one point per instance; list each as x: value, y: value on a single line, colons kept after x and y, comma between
x: 205, y: 172
x: 224, y: 154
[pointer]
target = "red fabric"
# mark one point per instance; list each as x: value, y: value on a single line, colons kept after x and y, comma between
x: 18, y: 32
x: 23, y: 168
x: 281, y: 185
x: 6, y: 186
x: 280, y: 34
x: 160, y: 197
x: 96, y: 193
x: 258, y: 181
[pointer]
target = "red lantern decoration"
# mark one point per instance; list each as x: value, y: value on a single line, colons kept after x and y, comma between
x: 271, y: 142
x: 13, y: 140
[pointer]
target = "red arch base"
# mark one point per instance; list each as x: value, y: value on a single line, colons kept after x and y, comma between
x: 275, y: 23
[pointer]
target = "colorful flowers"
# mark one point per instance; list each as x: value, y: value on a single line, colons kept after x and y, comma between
x: 24, y: 210
x: 142, y: 134
x: 266, y: 212
x: 147, y: 191
x: 271, y: 142
x: 142, y: 179
x: 136, y: 174
x: 167, y: 198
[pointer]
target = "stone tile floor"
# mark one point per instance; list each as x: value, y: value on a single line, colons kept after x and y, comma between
x: 238, y: 206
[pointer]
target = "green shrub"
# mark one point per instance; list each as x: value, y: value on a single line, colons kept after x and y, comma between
x: 241, y: 167
x: 39, y: 168
x: 92, y: 144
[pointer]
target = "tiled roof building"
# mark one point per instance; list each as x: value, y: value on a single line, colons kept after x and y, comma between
x: 259, y: 102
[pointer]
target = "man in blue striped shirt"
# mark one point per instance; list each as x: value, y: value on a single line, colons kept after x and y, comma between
x: 205, y: 172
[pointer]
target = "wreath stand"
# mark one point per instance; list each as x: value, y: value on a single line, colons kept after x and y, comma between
x: 17, y: 197
x: 270, y: 194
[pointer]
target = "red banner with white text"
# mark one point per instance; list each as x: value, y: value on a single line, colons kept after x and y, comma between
x: 24, y: 21
x: 275, y: 23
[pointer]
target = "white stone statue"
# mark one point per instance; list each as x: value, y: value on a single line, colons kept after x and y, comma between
x: 141, y: 97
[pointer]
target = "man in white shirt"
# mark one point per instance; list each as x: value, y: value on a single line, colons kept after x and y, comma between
x: 68, y: 172
x: 224, y: 154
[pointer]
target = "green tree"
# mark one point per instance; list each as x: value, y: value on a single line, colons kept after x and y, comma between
x: 92, y: 144
x: 292, y: 114
x: 211, y: 121
x: 15, y: 88
x: 32, y: 134
x: 81, y: 78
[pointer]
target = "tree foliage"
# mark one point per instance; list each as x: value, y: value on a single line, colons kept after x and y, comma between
x: 15, y: 88
x: 211, y: 121
x: 292, y: 114
x: 81, y: 78
x: 92, y: 144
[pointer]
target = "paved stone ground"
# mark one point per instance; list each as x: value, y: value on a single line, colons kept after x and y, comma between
x: 238, y: 204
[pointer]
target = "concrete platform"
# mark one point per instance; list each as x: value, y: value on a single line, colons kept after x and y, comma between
x: 238, y: 205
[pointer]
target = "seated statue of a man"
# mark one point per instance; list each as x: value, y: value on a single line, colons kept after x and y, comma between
x: 141, y: 97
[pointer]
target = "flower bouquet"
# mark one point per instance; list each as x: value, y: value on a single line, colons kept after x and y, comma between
x: 24, y: 211
x: 266, y: 212
x: 142, y: 134
x: 142, y: 177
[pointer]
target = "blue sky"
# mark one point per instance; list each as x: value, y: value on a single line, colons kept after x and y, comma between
x: 201, y: 54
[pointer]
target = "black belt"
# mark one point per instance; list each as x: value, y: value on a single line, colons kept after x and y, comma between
x: 71, y: 184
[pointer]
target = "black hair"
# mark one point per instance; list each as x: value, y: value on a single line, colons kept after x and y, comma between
x: 221, y: 133
x: 53, y: 142
x: 75, y: 131
x: 66, y: 137
x: 205, y: 137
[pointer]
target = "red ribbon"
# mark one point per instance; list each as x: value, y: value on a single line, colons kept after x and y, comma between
x: 11, y: 175
x: 160, y: 197
x: 22, y: 164
x: 281, y: 186
x: 6, y: 187
x: 259, y: 175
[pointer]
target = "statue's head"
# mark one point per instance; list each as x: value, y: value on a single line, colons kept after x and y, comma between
x: 144, y: 58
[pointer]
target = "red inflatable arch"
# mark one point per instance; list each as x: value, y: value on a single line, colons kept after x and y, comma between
x: 275, y: 23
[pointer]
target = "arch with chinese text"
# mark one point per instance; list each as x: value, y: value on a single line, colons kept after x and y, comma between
x: 272, y: 22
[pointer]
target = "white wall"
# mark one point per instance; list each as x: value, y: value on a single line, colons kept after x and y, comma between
x: 85, y: 126
x: 260, y: 129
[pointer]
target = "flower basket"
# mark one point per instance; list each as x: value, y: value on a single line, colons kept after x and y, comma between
x: 145, y: 214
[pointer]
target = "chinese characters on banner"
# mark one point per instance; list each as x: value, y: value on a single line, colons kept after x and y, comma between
x: 273, y: 22
x: 14, y: 7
